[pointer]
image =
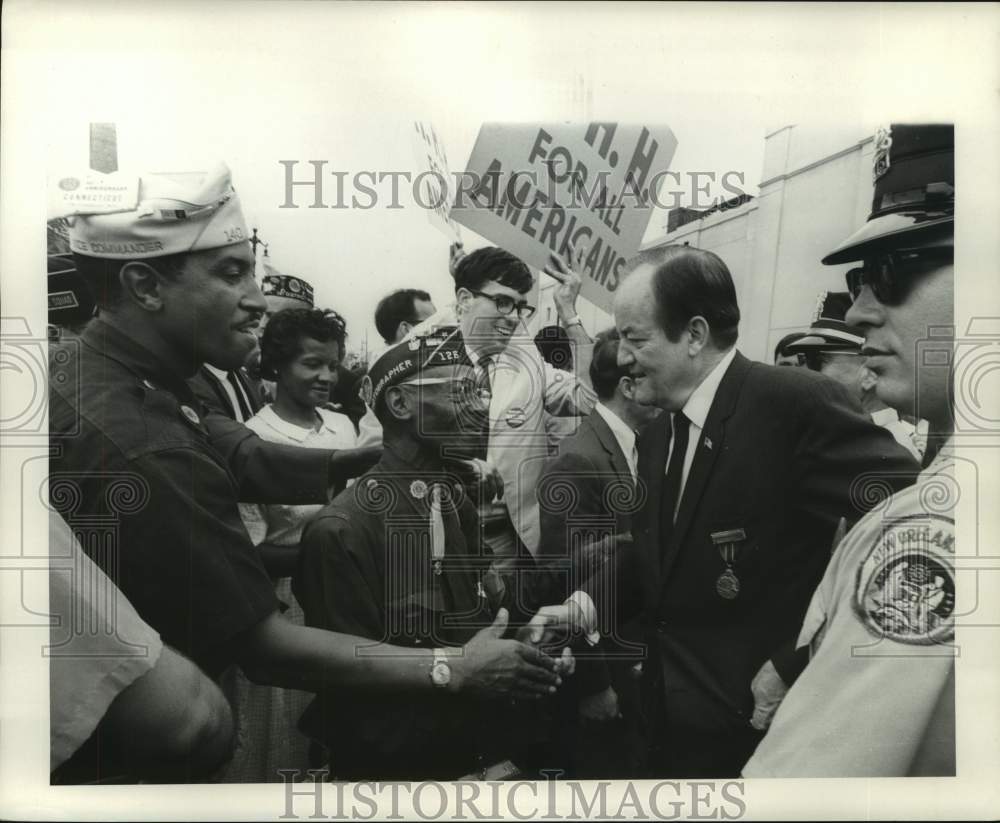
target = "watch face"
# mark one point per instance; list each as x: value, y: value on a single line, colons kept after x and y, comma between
x: 441, y: 673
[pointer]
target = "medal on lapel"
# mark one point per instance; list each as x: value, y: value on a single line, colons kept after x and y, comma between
x: 727, y: 585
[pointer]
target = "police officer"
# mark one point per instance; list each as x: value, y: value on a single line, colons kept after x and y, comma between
x: 877, y: 697
x: 833, y: 348
x: 172, y: 272
x: 399, y: 558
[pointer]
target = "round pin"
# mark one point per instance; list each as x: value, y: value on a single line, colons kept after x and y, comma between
x: 516, y: 418
x: 418, y: 488
x: 191, y: 414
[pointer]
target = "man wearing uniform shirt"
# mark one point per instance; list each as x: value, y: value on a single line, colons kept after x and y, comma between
x: 398, y: 558
x: 833, y: 348
x: 175, y: 287
x: 490, y: 309
x: 877, y: 698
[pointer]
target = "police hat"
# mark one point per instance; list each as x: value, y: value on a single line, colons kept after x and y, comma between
x: 914, y: 201
x: 829, y: 331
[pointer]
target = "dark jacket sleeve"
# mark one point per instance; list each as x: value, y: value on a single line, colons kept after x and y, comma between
x: 270, y: 472
x: 848, y: 465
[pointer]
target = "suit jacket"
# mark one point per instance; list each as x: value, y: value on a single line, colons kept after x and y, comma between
x: 587, y: 494
x: 784, y: 454
x: 265, y: 472
x: 587, y: 488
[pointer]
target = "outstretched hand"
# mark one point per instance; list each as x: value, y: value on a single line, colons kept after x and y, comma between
x: 490, y: 666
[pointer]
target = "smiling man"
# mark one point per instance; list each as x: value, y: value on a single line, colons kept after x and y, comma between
x: 878, y: 696
x: 130, y: 451
x: 491, y: 286
x: 746, y: 478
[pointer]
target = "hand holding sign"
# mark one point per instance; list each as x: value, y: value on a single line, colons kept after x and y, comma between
x: 569, y: 285
x: 455, y: 254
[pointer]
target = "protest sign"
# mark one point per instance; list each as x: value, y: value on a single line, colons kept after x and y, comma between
x: 537, y: 189
x: 433, y: 185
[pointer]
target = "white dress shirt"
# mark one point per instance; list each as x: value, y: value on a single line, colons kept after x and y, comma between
x: 899, y: 429
x: 696, y: 410
x: 223, y: 377
x: 623, y: 434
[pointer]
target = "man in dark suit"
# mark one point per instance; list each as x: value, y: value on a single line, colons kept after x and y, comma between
x: 747, y: 479
x: 588, y: 492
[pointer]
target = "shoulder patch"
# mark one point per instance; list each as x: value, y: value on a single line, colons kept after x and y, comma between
x: 905, y: 588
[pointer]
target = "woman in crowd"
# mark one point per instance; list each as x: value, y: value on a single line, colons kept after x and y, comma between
x: 301, y: 350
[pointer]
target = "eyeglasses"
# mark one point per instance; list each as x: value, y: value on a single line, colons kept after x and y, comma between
x: 506, y: 304
x: 890, y: 275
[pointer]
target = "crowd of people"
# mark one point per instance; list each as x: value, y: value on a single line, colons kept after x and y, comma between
x: 488, y: 554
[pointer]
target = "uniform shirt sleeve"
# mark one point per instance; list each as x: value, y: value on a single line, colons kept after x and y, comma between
x: 337, y: 582
x: 867, y: 704
x: 269, y: 472
x: 99, y: 645
x: 187, y: 560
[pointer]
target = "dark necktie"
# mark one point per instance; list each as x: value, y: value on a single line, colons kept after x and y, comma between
x: 241, y: 399
x: 675, y: 471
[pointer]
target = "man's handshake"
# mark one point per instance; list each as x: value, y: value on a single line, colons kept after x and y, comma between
x: 555, y: 625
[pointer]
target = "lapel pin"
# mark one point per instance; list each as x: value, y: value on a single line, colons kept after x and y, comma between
x: 708, y: 442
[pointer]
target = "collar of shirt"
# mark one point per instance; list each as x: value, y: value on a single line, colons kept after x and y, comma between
x: 112, y: 342
x: 700, y: 402
x: 620, y: 429
x: 883, y: 417
x: 328, y: 420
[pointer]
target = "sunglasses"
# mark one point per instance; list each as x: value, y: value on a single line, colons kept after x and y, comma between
x: 890, y: 275
x: 507, y: 305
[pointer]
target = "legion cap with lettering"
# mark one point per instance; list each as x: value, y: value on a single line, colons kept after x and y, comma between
x: 123, y: 217
x: 440, y: 346
x: 287, y: 285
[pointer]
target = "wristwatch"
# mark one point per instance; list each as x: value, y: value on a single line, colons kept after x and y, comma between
x: 440, y: 670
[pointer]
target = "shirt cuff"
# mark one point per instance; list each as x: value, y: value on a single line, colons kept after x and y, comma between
x: 588, y: 615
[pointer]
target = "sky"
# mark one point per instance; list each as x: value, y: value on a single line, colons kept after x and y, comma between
x: 256, y: 83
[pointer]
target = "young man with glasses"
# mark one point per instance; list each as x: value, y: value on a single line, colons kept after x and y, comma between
x: 492, y: 310
x: 877, y: 698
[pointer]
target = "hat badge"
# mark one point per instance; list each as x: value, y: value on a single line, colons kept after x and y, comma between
x: 883, y: 142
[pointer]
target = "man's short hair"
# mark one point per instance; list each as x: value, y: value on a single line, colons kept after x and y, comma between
x: 282, y: 339
x: 605, y: 373
x: 779, y: 350
x: 397, y: 308
x: 553, y: 344
x: 492, y: 264
x: 690, y: 282
x: 101, y: 274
